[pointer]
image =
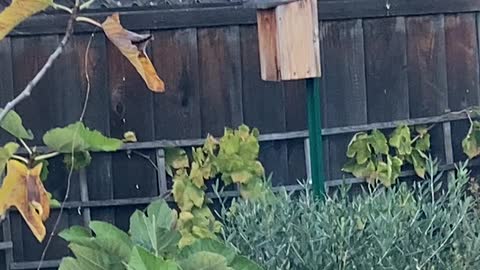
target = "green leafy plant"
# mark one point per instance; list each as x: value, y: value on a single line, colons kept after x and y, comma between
x: 233, y: 158
x: 152, y: 243
x: 22, y: 187
x: 375, y: 159
x: 424, y: 227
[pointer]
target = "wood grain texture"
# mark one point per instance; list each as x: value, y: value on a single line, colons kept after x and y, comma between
x: 298, y: 51
x: 296, y: 120
x: 55, y: 101
x: 234, y: 14
x: 97, y: 116
x: 220, y: 79
x: 131, y: 109
x: 427, y: 75
x: 386, y: 69
x: 462, y: 72
x: 177, y: 111
x: 267, y: 43
x: 344, y: 99
x: 263, y: 106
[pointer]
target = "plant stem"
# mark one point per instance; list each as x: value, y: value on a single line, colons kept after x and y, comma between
x: 46, y: 156
x: 25, y: 146
x: 78, y: 18
x: 24, y: 160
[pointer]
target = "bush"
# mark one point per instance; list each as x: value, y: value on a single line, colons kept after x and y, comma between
x: 425, y: 227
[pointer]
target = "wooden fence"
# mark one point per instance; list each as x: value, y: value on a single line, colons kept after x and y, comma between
x: 383, y: 61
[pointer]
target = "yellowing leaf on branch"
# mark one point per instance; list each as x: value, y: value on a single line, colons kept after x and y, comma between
x: 19, y: 11
x: 133, y: 46
x: 23, y: 189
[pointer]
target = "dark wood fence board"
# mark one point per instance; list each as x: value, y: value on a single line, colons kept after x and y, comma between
x: 97, y: 116
x: 177, y: 111
x: 220, y: 78
x: 131, y: 110
x: 155, y: 18
x: 427, y: 76
x: 48, y: 103
x: 386, y: 69
x: 344, y: 92
x: 263, y: 105
x: 462, y: 72
x: 296, y: 119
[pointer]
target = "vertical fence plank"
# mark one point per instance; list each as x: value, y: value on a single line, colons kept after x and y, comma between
x: 344, y: 91
x: 386, y: 73
x: 131, y: 110
x: 296, y: 119
x: 263, y: 106
x: 462, y: 72
x: 220, y: 78
x: 6, y: 94
x: 177, y: 111
x: 97, y: 116
x: 427, y: 76
x: 55, y: 102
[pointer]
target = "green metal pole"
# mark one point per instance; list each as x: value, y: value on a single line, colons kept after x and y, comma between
x: 315, y: 135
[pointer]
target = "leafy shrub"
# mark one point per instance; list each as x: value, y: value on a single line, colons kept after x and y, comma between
x: 233, y: 159
x: 426, y: 227
x: 152, y: 243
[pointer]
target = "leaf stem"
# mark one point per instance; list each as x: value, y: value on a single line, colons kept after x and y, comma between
x: 24, y: 160
x: 78, y: 18
x: 25, y: 146
x: 46, y: 156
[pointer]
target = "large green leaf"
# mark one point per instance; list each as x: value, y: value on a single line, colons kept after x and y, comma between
x: 209, y: 245
x: 471, y: 143
x: 175, y: 158
x: 419, y: 162
x: 141, y: 259
x: 80, y: 160
x: 154, y: 232
x: 78, y: 138
x: 78, y: 235
x: 186, y: 193
x: 205, y: 260
x: 388, y: 172
x: 6, y: 152
x: 379, y: 142
x: 164, y: 215
x: 243, y: 263
x: 112, y: 239
x: 401, y: 140
x: 91, y: 259
x: 12, y: 123
x: 359, y: 148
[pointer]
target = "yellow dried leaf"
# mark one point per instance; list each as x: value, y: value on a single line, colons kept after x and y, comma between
x: 19, y: 11
x: 133, y: 46
x: 23, y: 189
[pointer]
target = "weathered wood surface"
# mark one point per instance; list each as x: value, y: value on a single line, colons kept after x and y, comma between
x: 377, y: 73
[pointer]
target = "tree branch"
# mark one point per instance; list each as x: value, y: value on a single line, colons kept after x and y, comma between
x: 58, y: 51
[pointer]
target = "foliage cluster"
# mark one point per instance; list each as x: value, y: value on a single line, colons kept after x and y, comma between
x: 426, y: 227
x: 22, y: 186
x: 151, y: 243
x: 233, y: 158
x: 375, y: 159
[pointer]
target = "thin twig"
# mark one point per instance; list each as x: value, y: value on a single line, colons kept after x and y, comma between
x: 52, y: 58
x: 28, y: 89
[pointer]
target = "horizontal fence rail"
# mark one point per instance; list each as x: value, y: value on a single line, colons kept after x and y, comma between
x: 235, y: 14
